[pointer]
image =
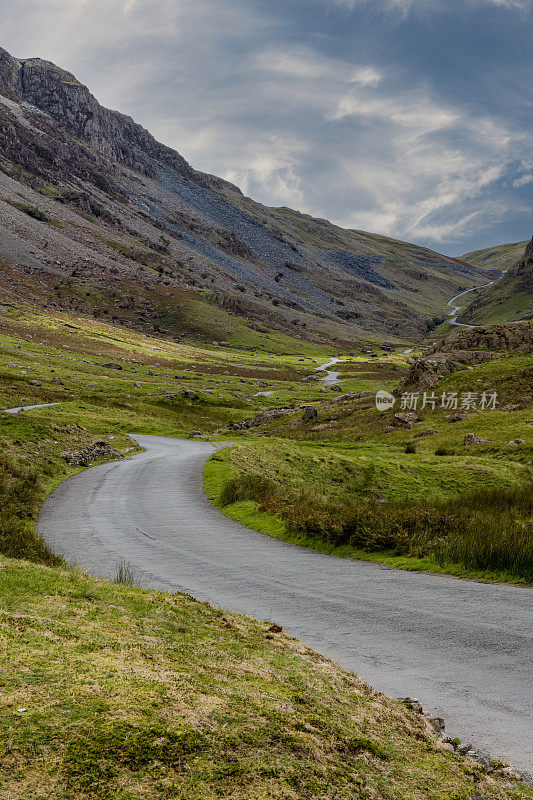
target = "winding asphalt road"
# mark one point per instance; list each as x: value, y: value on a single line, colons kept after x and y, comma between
x: 454, y: 313
x: 463, y: 648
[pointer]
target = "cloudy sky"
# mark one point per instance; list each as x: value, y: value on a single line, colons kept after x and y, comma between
x: 412, y: 118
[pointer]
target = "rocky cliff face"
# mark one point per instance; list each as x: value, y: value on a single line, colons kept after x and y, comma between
x: 113, y: 136
x: 523, y: 272
x: 9, y: 75
x: 464, y: 348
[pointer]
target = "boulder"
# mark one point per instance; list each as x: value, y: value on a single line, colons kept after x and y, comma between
x: 517, y: 441
x: 190, y: 394
x: 406, y: 417
x: 437, y: 723
x: 57, y: 381
x: 380, y: 498
x: 262, y: 418
x: 95, y: 452
x: 472, y: 438
x: 428, y: 432
x: 425, y: 372
x: 112, y: 365
x: 309, y: 413
x: 458, y: 417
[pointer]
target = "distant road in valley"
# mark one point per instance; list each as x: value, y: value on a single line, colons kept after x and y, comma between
x: 456, y: 309
x: 463, y: 648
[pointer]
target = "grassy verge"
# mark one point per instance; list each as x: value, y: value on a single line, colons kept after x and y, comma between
x: 35, y: 448
x: 109, y: 691
x: 444, y: 518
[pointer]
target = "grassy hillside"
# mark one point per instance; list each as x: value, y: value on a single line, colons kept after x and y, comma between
x: 113, y: 692
x: 511, y: 297
x: 501, y: 256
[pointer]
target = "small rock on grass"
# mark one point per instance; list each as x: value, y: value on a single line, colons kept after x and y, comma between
x: 406, y: 417
x: 437, y: 723
x: 413, y: 703
x: 429, y: 432
x: 456, y: 417
x: 472, y: 438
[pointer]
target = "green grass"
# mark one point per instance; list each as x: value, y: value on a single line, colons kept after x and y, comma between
x: 442, y: 515
x: 112, y: 692
x: 501, y: 256
x: 59, y: 358
x: 343, y: 454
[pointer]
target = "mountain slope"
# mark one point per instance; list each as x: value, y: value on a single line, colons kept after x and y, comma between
x: 498, y: 258
x: 99, y: 217
x: 509, y: 299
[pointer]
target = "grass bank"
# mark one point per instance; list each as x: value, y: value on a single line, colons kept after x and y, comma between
x: 371, y: 502
x: 110, y: 691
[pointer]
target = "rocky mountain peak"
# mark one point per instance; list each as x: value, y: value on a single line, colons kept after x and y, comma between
x: 9, y: 75
x: 112, y: 136
x: 68, y: 210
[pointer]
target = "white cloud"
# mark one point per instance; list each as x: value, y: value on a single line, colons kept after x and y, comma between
x: 403, y: 8
x: 523, y: 181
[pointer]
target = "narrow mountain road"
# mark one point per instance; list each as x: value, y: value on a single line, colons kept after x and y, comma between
x: 463, y: 648
x: 27, y: 408
x: 330, y: 377
x: 456, y: 309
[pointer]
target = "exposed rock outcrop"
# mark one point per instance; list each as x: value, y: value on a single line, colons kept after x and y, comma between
x: 262, y: 419
x: 114, y: 136
x: 472, y: 438
x: 95, y: 452
x: 512, y: 337
x: 425, y: 373
x: 464, y: 348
